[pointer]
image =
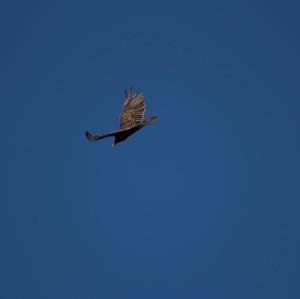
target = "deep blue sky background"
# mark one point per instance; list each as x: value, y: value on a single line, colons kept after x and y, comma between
x: 203, y: 204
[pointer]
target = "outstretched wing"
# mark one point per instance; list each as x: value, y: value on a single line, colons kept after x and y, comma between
x: 92, y: 137
x: 133, y: 110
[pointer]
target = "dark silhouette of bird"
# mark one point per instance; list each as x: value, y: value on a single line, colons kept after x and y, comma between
x: 131, y: 118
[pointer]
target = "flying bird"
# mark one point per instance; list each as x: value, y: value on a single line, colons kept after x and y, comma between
x: 131, y: 118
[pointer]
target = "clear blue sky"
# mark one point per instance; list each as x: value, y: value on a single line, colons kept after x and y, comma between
x: 203, y: 204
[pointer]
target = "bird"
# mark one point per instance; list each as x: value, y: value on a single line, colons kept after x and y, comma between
x: 131, y: 118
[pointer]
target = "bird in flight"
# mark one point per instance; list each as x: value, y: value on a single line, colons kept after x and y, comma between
x: 131, y: 118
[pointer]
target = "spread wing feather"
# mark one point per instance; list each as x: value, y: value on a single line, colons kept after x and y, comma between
x: 133, y: 110
x: 92, y: 137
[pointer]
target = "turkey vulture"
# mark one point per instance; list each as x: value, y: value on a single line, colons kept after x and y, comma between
x: 131, y: 118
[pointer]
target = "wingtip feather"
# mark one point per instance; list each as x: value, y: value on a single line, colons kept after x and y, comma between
x: 89, y: 136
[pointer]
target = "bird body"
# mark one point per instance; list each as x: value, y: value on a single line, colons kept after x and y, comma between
x: 131, y: 118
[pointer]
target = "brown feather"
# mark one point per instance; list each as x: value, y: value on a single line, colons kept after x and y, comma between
x: 131, y: 118
x: 133, y: 110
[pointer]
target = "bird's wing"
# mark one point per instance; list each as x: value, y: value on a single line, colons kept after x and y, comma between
x: 92, y: 137
x: 133, y: 109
